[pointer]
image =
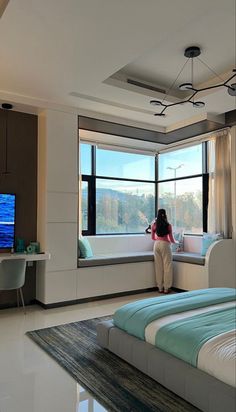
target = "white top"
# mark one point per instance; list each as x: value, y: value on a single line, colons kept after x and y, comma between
x: 27, y: 256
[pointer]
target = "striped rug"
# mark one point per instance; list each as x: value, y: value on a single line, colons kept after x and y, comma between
x: 114, y: 383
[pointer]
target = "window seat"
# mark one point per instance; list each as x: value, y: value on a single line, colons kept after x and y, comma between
x: 134, y: 257
x: 188, y: 257
x: 125, y: 263
x: 115, y: 258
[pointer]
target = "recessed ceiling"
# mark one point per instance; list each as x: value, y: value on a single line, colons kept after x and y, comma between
x: 79, y: 53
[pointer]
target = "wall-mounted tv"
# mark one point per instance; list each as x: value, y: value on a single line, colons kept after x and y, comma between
x: 7, y: 220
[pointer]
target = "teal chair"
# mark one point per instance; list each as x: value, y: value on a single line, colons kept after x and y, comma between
x: 12, y: 276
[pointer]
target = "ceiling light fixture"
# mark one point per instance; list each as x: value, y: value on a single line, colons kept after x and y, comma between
x: 191, y: 53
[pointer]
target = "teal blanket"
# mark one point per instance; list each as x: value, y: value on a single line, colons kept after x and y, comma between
x: 184, y: 338
x: 134, y: 317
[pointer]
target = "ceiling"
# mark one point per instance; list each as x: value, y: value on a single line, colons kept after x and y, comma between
x: 78, y: 54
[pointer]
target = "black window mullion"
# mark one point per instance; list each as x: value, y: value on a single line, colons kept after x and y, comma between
x: 86, y: 178
x: 91, y: 205
x: 180, y: 178
x: 205, y: 191
x: 124, y: 179
x: 204, y: 157
x: 93, y: 160
x: 156, y: 184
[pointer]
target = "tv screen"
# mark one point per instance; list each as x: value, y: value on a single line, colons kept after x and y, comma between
x: 7, y: 220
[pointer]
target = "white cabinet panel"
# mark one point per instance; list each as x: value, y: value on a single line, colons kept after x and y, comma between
x: 89, y: 282
x: 129, y: 276
x: 103, y: 280
x: 62, y: 243
x: 62, y: 207
x: 62, y: 150
x: 189, y: 277
x: 59, y: 287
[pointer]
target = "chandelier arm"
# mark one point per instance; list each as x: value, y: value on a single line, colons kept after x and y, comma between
x: 176, y: 103
x: 213, y: 71
x: 192, y: 96
x: 163, y: 104
x: 225, y: 83
x: 211, y: 87
x: 162, y: 112
x: 193, y: 52
x: 229, y: 87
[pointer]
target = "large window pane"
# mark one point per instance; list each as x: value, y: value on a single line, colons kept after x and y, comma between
x: 179, y: 163
x: 85, y: 159
x: 124, y: 207
x: 84, y: 205
x: 182, y: 200
x: 125, y: 165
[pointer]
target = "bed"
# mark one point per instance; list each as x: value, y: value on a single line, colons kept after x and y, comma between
x: 184, y: 341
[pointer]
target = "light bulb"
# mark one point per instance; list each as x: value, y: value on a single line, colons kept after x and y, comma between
x: 186, y: 86
x: 232, y: 89
x: 198, y: 105
x: 155, y: 102
x: 160, y: 114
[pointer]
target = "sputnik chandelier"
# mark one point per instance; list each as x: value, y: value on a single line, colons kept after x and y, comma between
x: 191, y: 53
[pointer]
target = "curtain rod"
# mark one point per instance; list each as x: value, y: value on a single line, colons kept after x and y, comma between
x: 121, y: 147
x: 196, y: 139
x: 186, y: 142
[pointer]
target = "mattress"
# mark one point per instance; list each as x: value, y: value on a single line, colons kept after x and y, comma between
x: 197, y: 327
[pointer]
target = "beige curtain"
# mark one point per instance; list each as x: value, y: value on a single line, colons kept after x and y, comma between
x: 80, y: 205
x: 219, y: 165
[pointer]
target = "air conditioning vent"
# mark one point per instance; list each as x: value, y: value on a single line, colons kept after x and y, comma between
x: 145, y: 86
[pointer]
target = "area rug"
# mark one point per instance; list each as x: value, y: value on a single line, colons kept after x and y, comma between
x: 115, y: 384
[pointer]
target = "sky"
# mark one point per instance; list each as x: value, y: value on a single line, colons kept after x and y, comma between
x: 182, y: 162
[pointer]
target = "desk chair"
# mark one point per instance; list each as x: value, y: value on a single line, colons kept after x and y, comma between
x: 12, y: 276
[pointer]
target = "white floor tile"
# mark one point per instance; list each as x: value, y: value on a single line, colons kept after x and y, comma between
x: 30, y: 381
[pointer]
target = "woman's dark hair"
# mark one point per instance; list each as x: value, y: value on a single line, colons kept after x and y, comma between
x: 162, y: 223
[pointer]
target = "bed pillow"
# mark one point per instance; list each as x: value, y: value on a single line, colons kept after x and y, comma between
x: 208, y: 239
x: 85, y: 250
x: 177, y: 247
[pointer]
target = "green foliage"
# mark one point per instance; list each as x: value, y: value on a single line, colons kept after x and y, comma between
x: 118, y: 212
x: 185, y: 211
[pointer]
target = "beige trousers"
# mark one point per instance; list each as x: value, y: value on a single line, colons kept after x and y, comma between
x: 163, y: 264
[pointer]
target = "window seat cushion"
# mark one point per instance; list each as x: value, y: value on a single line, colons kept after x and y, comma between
x: 134, y: 257
x: 116, y: 258
x: 187, y: 257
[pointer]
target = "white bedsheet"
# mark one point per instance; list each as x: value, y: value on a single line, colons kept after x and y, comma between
x: 217, y: 356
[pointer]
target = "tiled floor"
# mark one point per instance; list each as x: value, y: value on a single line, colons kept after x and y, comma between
x: 30, y: 381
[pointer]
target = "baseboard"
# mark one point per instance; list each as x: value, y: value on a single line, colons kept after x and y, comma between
x: 178, y: 290
x: 94, y: 298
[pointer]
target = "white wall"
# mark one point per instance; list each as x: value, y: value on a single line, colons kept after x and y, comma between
x: 57, y: 205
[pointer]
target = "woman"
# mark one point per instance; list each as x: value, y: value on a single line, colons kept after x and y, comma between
x: 162, y: 234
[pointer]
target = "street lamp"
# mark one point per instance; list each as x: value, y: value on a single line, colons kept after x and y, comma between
x: 175, y: 168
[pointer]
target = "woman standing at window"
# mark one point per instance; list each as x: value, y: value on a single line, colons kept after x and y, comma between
x: 161, y: 231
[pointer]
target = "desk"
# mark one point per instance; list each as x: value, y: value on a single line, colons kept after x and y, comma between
x: 29, y: 257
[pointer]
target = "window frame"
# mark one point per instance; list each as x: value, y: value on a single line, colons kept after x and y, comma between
x: 91, y: 179
x: 91, y: 217
x: 205, y: 182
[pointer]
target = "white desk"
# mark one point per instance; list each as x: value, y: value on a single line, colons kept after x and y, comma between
x: 29, y: 257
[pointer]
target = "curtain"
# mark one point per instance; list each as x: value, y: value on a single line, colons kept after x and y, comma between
x: 219, y: 167
x: 80, y: 206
